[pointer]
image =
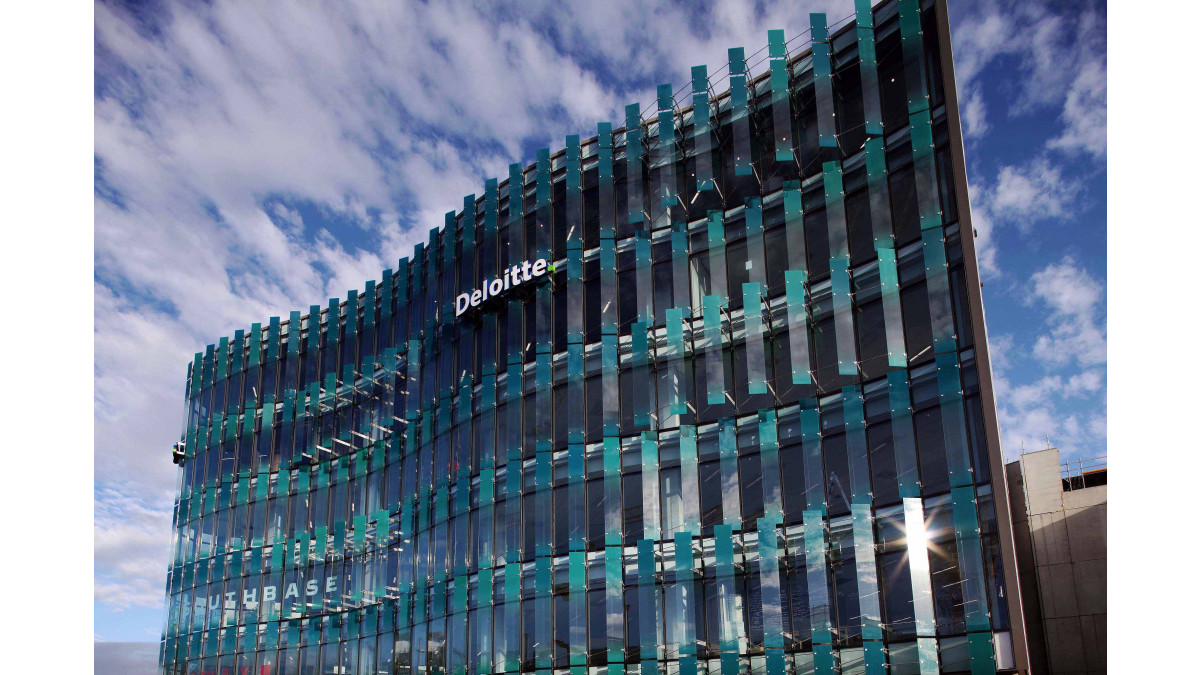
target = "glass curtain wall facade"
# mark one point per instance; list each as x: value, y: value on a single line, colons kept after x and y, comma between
x: 737, y: 425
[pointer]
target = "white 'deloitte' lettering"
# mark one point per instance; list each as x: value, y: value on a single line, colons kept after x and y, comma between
x: 513, y: 276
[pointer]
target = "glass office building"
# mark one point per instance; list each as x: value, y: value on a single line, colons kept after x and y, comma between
x: 707, y: 392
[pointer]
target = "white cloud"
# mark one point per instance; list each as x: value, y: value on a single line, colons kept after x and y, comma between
x: 1043, y: 45
x: 1044, y: 57
x: 1030, y: 429
x: 1032, y: 193
x: 1085, y: 113
x: 1021, y: 197
x: 974, y: 114
x: 1077, y: 331
x: 1043, y: 411
x: 1086, y: 382
x: 1000, y: 347
x: 1057, y: 56
x: 659, y: 42
x: 1065, y: 404
x: 123, y: 658
x: 985, y: 32
x: 132, y: 540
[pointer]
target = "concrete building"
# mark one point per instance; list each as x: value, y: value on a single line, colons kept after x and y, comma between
x: 1060, y: 522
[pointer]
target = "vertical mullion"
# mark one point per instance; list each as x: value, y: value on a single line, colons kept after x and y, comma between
x: 674, y: 352
x: 893, y: 320
x: 650, y: 486
x: 643, y: 272
x: 739, y: 117
x: 970, y: 558
x: 648, y: 599
x: 713, y: 357
x: 768, y: 444
x: 577, y: 600
x: 604, y: 170
x: 863, y: 527
x: 937, y: 282
x: 702, y: 129
x: 780, y: 96
x: 867, y: 67
x: 771, y: 597
x: 904, y: 442
x: 816, y: 554
x: 796, y: 293
x: 634, y: 164
x: 793, y: 210
x: 756, y: 356
x: 730, y: 504
x: 879, y: 201
x: 689, y: 476
x: 685, y: 596
x: 954, y: 425
x: 843, y: 316
x: 816, y: 545
x: 752, y: 297
x: 713, y: 307
x: 665, y: 160
x: 730, y: 625
x: 922, y: 589
x: 823, y: 82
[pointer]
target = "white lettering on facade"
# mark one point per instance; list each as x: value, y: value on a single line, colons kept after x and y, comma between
x: 513, y: 276
x: 270, y: 594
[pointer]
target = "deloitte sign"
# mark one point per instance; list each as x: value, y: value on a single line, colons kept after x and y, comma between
x: 511, y: 277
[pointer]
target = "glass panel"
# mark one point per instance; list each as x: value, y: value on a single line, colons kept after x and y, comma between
x: 504, y: 493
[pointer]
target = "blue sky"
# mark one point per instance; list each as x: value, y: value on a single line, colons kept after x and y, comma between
x: 250, y: 160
